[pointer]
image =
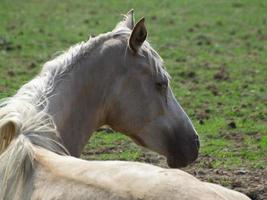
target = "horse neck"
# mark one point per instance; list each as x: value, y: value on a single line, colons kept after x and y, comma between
x: 77, y: 103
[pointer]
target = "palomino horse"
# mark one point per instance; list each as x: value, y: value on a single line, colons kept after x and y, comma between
x: 111, y: 80
x: 116, y: 79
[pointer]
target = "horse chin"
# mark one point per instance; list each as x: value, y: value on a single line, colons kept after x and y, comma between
x: 176, y: 163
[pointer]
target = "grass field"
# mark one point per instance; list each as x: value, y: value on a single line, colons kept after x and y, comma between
x: 215, y: 51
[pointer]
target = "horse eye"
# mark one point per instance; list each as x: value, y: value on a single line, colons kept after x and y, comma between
x: 162, y: 85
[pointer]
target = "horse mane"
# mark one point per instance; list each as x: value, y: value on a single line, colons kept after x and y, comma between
x: 57, y: 68
x: 22, y: 125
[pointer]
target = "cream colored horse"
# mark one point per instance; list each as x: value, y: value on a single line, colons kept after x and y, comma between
x: 34, y: 163
x: 36, y: 173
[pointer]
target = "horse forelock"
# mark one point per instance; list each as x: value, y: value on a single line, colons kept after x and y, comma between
x: 155, y: 61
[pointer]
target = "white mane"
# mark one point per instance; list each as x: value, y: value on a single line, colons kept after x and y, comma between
x: 68, y: 59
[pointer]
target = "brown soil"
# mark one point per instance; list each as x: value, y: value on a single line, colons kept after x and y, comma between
x: 221, y: 74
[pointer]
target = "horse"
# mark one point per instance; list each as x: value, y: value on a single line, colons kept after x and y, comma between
x: 109, y: 80
x: 118, y: 79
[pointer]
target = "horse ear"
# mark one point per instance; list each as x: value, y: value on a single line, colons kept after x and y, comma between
x: 7, y: 133
x: 129, y: 19
x: 138, y: 35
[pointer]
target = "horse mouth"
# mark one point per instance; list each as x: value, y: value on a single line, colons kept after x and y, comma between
x: 180, y: 160
x: 176, y: 163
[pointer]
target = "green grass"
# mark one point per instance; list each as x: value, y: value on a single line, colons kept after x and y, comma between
x: 199, y: 40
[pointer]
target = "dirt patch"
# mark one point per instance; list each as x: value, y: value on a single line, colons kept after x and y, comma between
x: 7, y: 45
x: 32, y: 65
x: 203, y: 40
x: 232, y: 125
x: 237, y: 137
x: 214, y: 90
x: 11, y: 73
x: 222, y: 73
x: 203, y: 114
x: 118, y: 147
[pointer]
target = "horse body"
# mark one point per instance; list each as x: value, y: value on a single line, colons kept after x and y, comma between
x: 37, y: 173
x: 61, y: 177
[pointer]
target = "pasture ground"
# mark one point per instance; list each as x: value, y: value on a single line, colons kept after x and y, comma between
x: 215, y: 51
